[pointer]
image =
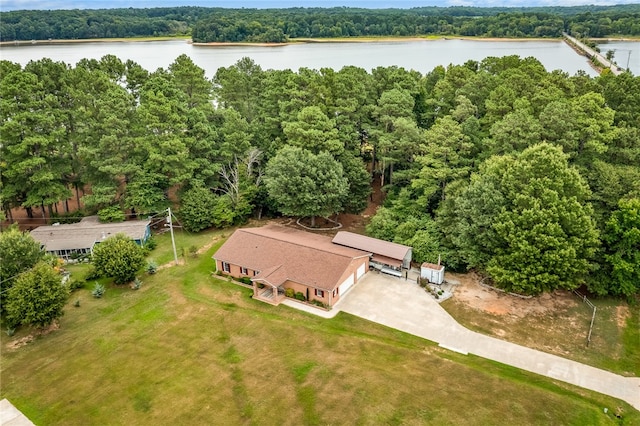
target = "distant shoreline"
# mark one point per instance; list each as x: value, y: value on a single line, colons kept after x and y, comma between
x: 92, y: 40
x: 296, y: 41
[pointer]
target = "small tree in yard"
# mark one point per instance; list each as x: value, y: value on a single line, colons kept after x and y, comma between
x: 118, y: 257
x: 36, y: 297
x: 18, y: 253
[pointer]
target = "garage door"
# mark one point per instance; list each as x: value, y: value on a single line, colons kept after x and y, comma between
x: 346, y: 285
x: 360, y: 272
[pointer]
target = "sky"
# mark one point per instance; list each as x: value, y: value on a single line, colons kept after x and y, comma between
x: 6, y: 5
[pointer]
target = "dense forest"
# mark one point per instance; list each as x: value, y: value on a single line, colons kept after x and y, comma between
x: 280, y: 25
x: 528, y: 176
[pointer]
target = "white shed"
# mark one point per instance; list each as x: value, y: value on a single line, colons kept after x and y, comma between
x: 432, y: 272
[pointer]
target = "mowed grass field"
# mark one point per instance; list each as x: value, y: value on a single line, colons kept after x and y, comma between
x: 189, y: 348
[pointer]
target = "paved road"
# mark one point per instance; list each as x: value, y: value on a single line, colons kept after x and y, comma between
x: 592, y: 53
x: 405, y: 306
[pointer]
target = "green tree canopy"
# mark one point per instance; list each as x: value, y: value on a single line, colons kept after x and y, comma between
x: 37, y: 297
x: 529, y: 221
x: 118, y: 257
x: 19, y: 252
x: 305, y: 184
x: 622, y: 251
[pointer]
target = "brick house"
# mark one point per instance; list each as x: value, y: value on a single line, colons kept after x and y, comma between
x: 277, y: 258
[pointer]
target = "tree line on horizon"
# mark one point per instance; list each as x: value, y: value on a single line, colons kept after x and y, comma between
x: 528, y: 176
x: 279, y: 25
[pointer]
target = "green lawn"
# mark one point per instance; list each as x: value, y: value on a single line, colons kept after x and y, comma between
x: 188, y: 348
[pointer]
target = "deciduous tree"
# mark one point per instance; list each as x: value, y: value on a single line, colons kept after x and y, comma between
x: 305, y: 184
x: 19, y: 252
x: 118, y: 257
x: 37, y: 297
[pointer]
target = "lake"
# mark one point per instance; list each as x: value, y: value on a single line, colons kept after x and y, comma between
x: 624, y: 53
x: 422, y: 55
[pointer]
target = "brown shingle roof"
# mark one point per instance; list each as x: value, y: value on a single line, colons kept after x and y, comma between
x: 372, y: 245
x: 281, y: 254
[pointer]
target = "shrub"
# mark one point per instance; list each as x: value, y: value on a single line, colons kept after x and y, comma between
x: 75, y: 284
x: 193, y: 251
x: 247, y: 280
x: 300, y: 296
x: 118, y: 257
x: 152, y: 267
x: 98, y: 290
x: 111, y: 214
x: 151, y: 244
x: 10, y: 330
x: 36, y: 298
x: 136, y: 284
x: 289, y: 292
x: 77, y: 303
x: 319, y: 303
x: 92, y: 274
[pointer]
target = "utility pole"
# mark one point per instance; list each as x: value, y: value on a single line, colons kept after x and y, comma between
x: 173, y: 240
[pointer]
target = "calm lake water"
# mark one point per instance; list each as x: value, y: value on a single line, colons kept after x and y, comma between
x: 422, y: 56
x: 624, y: 53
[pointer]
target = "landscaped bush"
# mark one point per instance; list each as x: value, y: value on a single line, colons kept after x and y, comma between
x: 98, y: 291
x: 289, y: 292
x: 151, y: 244
x: 92, y: 274
x: 319, y: 303
x: 75, y: 284
x: 247, y: 280
x: 300, y: 296
x: 152, y: 267
x: 136, y: 284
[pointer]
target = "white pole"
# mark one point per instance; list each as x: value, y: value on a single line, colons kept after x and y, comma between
x: 173, y: 240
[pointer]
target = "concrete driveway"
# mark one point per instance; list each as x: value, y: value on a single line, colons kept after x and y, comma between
x: 403, y: 305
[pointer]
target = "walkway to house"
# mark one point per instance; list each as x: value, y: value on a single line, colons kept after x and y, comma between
x: 11, y: 416
x: 403, y: 305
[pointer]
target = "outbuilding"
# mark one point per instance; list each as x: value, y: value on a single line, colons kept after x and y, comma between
x: 432, y: 272
x: 388, y: 257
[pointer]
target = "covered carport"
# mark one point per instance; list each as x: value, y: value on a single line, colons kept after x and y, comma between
x: 387, y: 257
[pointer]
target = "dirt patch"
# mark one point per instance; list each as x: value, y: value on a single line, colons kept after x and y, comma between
x: 470, y: 292
x: 23, y: 341
x: 170, y: 264
x: 622, y: 313
x: 206, y: 247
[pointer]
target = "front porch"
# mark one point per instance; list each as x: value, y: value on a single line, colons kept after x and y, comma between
x: 267, y: 293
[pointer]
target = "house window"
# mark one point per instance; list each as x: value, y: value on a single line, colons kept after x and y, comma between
x: 319, y: 293
x: 226, y: 267
x: 244, y: 271
x: 335, y: 292
x: 255, y: 273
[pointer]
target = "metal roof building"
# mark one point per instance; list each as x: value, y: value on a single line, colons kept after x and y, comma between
x: 384, y: 252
